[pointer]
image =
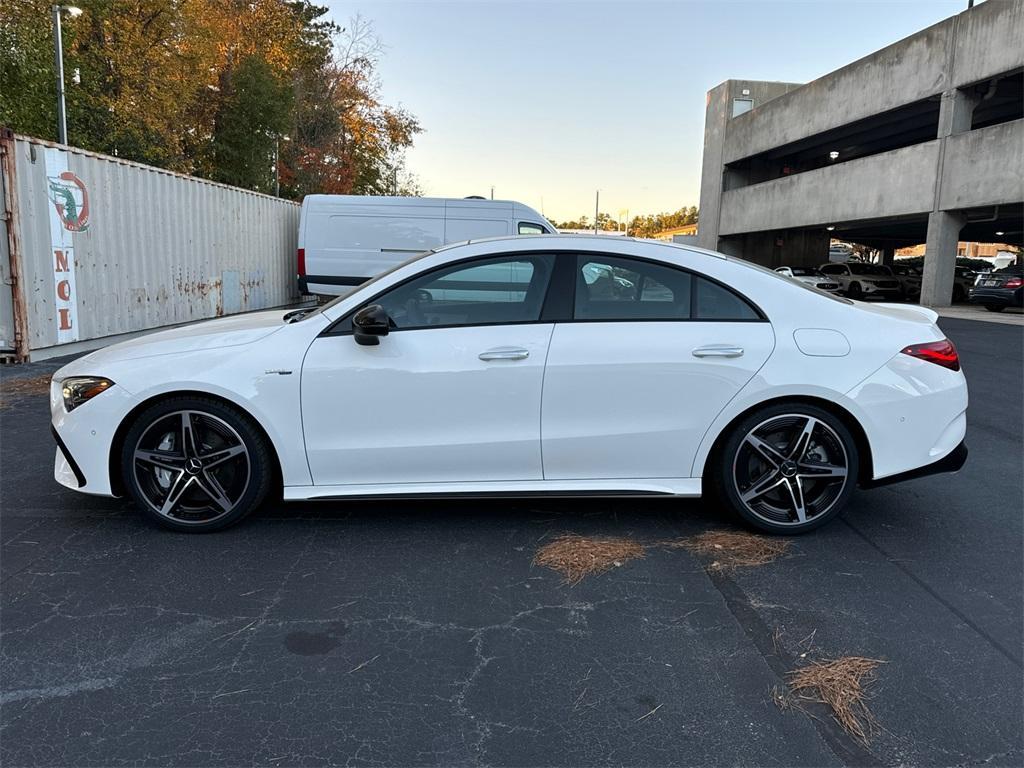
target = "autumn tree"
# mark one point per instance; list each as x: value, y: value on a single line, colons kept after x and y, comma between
x: 212, y: 87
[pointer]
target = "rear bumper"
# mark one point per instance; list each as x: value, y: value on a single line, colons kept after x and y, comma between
x: 952, y: 462
x: 914, y: 414
x: 1003, y: 297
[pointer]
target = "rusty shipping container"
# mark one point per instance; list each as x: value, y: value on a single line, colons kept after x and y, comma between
x: 94, y: 247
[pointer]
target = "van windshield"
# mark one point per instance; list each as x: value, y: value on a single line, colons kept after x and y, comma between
x: 296, y: 316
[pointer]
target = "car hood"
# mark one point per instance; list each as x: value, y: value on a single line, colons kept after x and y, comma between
x: 209, y: 334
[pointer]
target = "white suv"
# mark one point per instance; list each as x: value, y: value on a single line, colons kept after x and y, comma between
x: 860, y: 280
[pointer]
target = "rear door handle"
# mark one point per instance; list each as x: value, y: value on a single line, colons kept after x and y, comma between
x: 718, y: 350
x: 505, y: 353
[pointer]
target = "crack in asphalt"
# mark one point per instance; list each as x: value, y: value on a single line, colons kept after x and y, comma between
x: 1015, y: 660
x: 846, y: 748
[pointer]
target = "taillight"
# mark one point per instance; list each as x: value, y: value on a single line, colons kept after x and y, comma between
x: 302, y: 262
x: 939, y: 352
x: 1013, y: 282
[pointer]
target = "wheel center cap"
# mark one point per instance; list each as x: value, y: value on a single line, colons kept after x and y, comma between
x: 193, y: 466
x: 788, y: 468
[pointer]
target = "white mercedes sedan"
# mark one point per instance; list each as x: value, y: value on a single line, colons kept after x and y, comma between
x: 552, y: 365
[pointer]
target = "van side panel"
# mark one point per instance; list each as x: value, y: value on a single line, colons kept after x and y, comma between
x: 456, y: 230
x: 348, y: 245
x: 349, y: 238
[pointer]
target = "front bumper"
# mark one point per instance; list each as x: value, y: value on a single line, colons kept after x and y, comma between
x: 85, y: 437
x: 65, y: 469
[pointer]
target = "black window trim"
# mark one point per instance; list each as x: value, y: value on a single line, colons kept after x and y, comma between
x: 761, y: 316
x: 334, y: 330
x: 543, y: 230
x: 563, y: 273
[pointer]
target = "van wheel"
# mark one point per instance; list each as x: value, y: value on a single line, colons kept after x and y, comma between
x: 195, y: 464
x: 787, y: 468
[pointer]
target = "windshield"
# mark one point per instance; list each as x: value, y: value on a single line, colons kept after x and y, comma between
x: 296, y: 316
x: 868, y: 269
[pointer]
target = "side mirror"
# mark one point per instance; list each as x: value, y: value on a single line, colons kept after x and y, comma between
x: 369, y: 324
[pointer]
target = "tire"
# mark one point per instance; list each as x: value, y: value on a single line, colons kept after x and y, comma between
x: 855, y: 292
x: 202, y: 484
x: 761, y: 479
x: 994, y: 307
x: 958, y: 293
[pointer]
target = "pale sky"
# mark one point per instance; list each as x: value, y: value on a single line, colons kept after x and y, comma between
x: 549, y: 101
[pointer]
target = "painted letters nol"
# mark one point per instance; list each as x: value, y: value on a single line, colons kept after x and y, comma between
x: 69, y: 213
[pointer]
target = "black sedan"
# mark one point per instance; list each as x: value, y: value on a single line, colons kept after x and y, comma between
x: 1000, y: 289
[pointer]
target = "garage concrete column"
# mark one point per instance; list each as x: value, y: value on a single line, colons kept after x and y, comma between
x: 940, y: 257
x: 888, y: 255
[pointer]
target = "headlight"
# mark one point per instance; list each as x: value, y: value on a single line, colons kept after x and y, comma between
x: 79, y: 389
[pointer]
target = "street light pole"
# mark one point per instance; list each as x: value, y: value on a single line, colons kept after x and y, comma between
x: 597, y: 207
x: 58, y: 54
x: 58, y: 50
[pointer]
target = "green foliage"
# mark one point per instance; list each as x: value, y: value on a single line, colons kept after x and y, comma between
x: 28, y: 91
x: 639, y: 226
x: 254, y: 112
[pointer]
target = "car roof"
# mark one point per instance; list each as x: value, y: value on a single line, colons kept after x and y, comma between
x: 578, y: 242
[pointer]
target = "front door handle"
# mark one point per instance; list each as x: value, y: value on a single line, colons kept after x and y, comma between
x: 718, y: 350
x: 505, y: 353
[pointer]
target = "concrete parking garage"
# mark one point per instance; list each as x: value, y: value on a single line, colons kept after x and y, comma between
x: 922, y: 141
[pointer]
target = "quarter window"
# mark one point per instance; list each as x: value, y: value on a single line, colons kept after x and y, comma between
x: 486, y: 292
x: 716, y: 302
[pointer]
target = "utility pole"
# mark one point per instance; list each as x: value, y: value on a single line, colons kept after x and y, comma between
x: 492, y: 191
x: 597, y: 207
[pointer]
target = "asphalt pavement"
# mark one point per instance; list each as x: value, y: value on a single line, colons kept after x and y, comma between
x: 421, y: 633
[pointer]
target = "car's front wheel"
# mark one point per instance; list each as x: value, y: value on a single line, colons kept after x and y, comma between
x: 195, y: 464
x: 787, y: 468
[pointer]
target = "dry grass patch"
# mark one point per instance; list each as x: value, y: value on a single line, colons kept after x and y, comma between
x: 733, y: 549
x: 577, y: 557
x: 839, y: 684
x: 15, y: 387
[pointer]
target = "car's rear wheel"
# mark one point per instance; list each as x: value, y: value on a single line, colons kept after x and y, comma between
x: 995, y: 307
x: 787, y: 468
x: 195, y: 464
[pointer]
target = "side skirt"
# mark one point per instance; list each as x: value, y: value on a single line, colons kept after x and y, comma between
x: 689, y: 487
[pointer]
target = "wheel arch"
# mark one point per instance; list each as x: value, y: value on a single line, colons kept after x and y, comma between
x: 865, y: 472
x: 117, y: 443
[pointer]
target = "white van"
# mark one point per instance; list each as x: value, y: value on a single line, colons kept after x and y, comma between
x: 344, y: 240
